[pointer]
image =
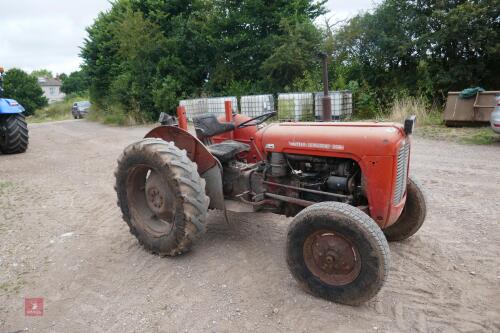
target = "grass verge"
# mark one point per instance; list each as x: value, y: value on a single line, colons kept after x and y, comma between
x: 468, y: 135
x: 115, y: 115
x: 430, y: 123
x: 56, y: 111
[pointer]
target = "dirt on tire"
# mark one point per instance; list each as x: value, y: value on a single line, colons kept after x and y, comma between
x: 187, y: 198
x: 62, y: 238
x: 365, y: 239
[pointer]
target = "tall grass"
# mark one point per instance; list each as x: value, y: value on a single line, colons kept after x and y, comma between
x: 430, y: 121
x: 404, y: 107
x: 111, y: 115
x: 116, y: 115
x: 57, y: 110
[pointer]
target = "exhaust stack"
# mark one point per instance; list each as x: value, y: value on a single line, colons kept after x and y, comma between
x: 327, y: 103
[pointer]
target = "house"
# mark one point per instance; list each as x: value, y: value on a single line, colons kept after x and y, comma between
x: 51, y: 89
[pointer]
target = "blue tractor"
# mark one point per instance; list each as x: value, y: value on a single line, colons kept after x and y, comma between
x: 13, y: 127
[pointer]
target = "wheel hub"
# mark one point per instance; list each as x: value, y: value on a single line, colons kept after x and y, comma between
x: 331, y: 257
x: 157, y: 196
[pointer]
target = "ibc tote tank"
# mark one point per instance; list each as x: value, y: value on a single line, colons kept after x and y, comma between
x: 296, y: 106
x: 256, y: 105
x: 217, y: 107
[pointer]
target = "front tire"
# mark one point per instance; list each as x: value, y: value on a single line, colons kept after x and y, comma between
x: 13, y: 134
x: 161, y: 195
x: 337, y: 252
x: 413, y: 216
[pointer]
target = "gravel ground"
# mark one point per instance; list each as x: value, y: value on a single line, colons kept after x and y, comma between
x: 62, y: 238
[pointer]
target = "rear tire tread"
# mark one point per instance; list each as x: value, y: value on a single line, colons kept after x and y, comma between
x: 189, y: 186
x: 16, y: 134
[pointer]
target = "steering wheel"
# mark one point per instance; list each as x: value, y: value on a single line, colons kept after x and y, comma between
x: 257, y: 120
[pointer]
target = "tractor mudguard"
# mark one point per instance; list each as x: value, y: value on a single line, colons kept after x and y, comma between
x: 10, y: 106
x: 209, y: 167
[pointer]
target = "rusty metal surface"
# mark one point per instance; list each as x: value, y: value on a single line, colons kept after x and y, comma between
x: 331, y: 257
x: 158, y: 196
x: 327, y: 103
x: 470, y: 111
x: 149, y: 200
x: 196, y: 150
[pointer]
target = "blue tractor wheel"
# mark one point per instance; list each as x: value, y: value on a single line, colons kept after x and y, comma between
x: 13, y: 133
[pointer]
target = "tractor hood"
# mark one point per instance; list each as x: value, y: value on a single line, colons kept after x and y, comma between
x: 324, y: 139
x: 10, y: 106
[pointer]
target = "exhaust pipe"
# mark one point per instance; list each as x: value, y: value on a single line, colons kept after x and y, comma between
x: 326, y: 100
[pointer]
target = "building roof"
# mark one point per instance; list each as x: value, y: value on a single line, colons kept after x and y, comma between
x: 49, y: 82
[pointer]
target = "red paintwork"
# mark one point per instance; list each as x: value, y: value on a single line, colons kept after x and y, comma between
x: 181, y: 118
x: 374, y: 146
x: 228, y: 110
x: 244, y: 135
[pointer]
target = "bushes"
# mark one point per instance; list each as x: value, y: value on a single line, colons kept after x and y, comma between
x: 144, y: 56
x: 116, y: 115
x: 58, y: 110
x: 24, y: 89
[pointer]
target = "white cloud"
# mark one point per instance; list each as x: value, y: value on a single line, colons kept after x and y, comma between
x: 45, y: 34
x: 48, y: 34
x: 342, y: 10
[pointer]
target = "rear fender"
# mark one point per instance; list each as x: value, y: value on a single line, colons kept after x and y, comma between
x: 209, y: 167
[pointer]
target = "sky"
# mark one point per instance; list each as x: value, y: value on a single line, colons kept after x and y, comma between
x: 36, y: 34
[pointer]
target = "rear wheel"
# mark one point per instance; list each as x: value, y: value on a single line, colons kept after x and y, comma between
x: 337, y: 252
x: 161, y: 196
x: 413, y: 215
x: 13, y: 134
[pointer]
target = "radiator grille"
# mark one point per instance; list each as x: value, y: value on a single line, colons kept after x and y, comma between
x: 402, y: 173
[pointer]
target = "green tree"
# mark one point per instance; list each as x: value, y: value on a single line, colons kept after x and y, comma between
x: 424, y: 47
x: 42, y: 73
x: 76, y: 82
x: 62, y: 76
x: 145, y: 55
x: 25, y: 89
x: 295, y: 53
x: 249, y: 41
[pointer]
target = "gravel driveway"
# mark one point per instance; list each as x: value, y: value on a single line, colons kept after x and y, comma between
x: 62, y: 239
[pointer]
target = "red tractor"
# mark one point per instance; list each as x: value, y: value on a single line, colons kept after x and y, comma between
x: 345, y: 184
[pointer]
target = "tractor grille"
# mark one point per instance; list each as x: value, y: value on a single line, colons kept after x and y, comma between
x: 402, y: 173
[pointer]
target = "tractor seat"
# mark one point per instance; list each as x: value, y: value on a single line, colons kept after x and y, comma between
x: 208, y: 125
x: 225, y: 151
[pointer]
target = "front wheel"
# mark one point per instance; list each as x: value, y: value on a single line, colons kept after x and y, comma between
x: 337, y: 252
x: 13, y: 134
x: 412, y: 217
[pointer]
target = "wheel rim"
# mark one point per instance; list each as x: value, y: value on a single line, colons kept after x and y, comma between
x: 332, y: 257
x: 151, y: 201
